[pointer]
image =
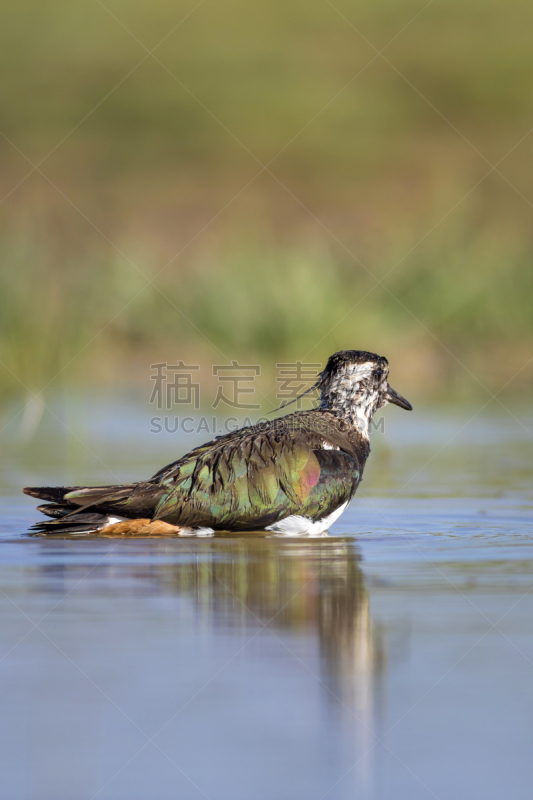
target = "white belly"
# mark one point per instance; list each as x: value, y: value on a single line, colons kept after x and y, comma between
x: 294, y: 525
x: 303, y: 526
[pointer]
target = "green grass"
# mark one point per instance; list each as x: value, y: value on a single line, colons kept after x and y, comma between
x: 143, y: 161
x: 99, y: 321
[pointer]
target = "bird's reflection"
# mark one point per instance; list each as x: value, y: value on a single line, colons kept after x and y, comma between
x: 309, y: 593
x: 312, y: 586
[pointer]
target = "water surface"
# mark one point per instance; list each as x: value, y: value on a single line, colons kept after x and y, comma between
x: 392, y: 659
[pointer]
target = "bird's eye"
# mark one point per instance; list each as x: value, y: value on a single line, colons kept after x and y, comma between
x: 377, y: 373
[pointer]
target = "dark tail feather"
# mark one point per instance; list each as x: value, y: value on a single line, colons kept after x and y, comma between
x: 74, y: 524
x: 69, y: 499
x: 79, y: 509
x: 55, y: 509
x: 53, y: 493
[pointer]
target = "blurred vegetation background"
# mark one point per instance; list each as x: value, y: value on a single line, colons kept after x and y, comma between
x: 266, y: 182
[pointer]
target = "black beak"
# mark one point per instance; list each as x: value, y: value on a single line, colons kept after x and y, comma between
x: 393, y: 397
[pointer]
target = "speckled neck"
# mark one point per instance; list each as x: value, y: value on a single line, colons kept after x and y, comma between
x: 351, y: 401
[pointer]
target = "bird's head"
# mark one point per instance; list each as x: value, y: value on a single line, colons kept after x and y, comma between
x: 354, y: 384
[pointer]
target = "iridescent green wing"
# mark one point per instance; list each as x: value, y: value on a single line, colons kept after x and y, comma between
x: 244, y: 481
x: 340, y: 476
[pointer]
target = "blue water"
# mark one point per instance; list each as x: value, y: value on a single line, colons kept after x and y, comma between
x: 392, y: 659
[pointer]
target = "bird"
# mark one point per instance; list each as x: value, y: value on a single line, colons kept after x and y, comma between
x: 293, y: 475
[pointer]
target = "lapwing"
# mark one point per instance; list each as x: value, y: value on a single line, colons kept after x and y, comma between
x: 294, y: 475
